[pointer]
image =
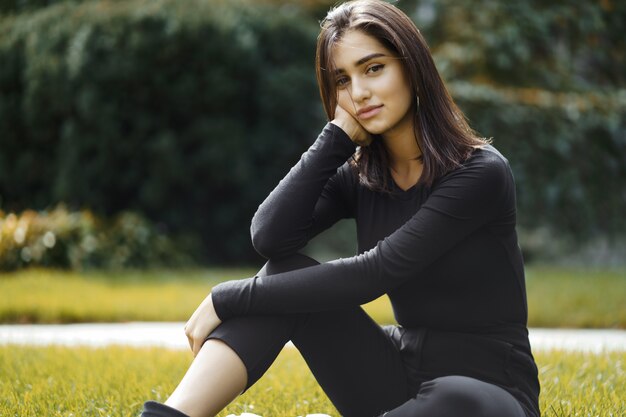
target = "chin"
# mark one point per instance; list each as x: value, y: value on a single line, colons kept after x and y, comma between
x: 376, y: 129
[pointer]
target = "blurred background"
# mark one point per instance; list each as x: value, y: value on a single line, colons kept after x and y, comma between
x: 145, y: 133
x: 138, y: 137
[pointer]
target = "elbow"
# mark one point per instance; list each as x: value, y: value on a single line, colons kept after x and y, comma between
x: 265, y: 242
x: 270, y: 245
x: 260, y: 235
x: 272, y: 239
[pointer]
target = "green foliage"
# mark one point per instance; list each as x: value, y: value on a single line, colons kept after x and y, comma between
x: 81, y: 240
x: 546, y: 80
x: 190, y: 112
x: 17, y: 6
x: 115, y: 381
x: 567, y: 152
x: 558, y: 46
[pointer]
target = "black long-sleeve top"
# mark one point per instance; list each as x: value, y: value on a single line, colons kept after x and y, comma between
x: 447, y: 255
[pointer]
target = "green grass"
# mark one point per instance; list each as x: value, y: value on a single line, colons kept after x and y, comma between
x: 58, y: 381
x: 557, y: 297
x: 53, y: 296
x: 570, y: 297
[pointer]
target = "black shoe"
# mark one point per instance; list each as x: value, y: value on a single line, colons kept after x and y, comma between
x: 155, y: 409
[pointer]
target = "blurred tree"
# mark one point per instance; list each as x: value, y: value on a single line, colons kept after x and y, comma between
x: 547, y: 80
x: 190, y: 112
x: 170, y: 109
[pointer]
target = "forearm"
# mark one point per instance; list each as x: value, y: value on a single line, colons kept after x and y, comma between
x: 310, y: 289
x: 283, y: 221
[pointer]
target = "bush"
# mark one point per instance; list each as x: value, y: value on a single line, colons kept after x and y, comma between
x: 190, y: 112
x: 80, y: 240
x: 17, y: 6
x: 567, y: 151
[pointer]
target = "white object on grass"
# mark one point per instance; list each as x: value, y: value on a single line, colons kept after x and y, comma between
x: 244, y: 415
x: 255, y: 415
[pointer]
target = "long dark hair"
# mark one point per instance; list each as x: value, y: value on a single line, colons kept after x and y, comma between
x: 444, y: 136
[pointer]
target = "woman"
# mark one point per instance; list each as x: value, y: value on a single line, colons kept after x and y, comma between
x: 435, y: 211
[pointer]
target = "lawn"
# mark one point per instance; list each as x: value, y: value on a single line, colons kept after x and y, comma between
x: 557, y: 297
x: 569, y: 297
x: 114, y: 381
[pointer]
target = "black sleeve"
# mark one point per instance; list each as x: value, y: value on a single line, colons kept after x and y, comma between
x: 310, y: 198
x: 463, y: 201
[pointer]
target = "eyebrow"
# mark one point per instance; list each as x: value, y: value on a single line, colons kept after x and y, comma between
x: 362, y: 61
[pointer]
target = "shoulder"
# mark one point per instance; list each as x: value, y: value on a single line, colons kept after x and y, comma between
x: 483, y: 183
x: 488, y: 158
x: 485, y: 166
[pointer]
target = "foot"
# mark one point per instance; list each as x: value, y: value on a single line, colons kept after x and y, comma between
x: 156, y: 409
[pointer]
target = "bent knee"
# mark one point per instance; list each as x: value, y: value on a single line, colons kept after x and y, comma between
x: 455, y: 395
x: 464, y: 392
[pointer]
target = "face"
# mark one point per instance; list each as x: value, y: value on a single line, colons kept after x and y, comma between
x: 372, y: 85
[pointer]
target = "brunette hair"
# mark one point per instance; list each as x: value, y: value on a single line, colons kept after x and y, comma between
x: 442, y: 132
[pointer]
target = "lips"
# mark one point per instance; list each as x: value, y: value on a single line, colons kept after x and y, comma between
x: 369, y: 111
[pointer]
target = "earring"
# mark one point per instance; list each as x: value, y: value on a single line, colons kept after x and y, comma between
x: 417, y: 100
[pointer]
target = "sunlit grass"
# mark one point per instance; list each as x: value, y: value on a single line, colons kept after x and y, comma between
x: 579, y: 384
x: 115, y: 381
x: 51, y: 296
x: 574, y: 297
x: 59, y: 381
x: 557, y: 297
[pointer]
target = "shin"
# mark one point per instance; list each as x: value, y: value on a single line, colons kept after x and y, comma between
x: 214, y: 379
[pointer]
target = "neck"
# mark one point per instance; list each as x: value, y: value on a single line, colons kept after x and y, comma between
x: 403, y: 150
x: 404, y: 154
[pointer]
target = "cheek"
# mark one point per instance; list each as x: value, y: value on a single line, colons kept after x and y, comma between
x: 408, y: 100
x: 402, y: 96
x: 399, y: 90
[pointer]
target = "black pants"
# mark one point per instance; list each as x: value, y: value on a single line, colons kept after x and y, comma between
x: 364, y: 368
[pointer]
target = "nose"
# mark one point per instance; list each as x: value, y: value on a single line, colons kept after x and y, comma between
x: 360, y: 90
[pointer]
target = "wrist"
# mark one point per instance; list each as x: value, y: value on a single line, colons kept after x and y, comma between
x: 354, y: 131
x: 350, y: 131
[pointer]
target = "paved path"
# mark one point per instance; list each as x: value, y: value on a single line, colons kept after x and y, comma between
x: 170, y: 335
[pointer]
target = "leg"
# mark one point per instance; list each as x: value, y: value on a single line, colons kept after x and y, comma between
x: 354, y: 361
x: 216, y: 371
x: 352, y: 358
x: 235, y: 355
x: 360, y: 381
x: 453, y: 396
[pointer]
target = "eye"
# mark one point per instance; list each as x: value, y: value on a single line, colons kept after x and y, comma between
x: 374, y: 68
x: 342, y: 82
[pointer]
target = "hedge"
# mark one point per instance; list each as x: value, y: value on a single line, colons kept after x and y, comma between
x: 190, y: 112
x: 184, y: 111
x: 567, y: 152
